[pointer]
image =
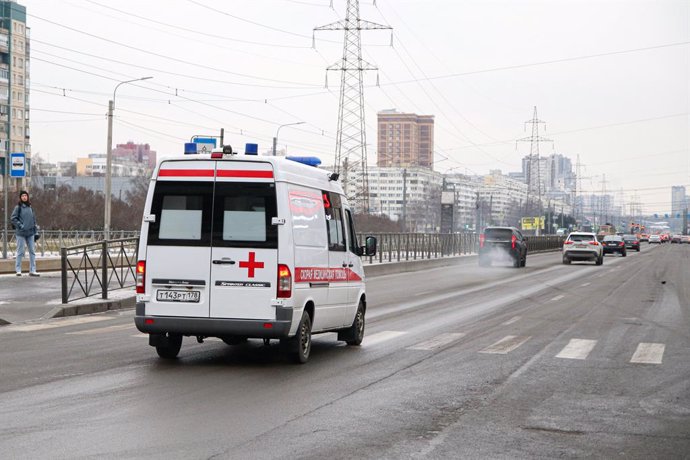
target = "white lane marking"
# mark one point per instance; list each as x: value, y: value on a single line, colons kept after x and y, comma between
x: 382, y: 336
x: 58, y: 323
x: 439, y: 341
x: 506, y: 345
x: 512, y: 320
x: 585, y: 284
x: 142, y: 335
x: 424, y: 293
x: 101, y: 330
x: 648, y: 353
x: 558, y: 297
x: 577, y: 349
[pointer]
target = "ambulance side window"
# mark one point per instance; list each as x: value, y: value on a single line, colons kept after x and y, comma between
x: 183, y: 214
x: 334, y: 221
x: 243, y: 213
x: 352, y: 235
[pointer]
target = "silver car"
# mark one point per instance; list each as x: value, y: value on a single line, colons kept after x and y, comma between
x: 582, y: 246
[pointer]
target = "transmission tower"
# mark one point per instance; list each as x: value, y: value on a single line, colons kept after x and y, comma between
x: 534, y: 141
x: 351, y: 143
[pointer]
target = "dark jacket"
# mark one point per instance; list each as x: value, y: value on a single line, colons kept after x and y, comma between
x: 24, y: 220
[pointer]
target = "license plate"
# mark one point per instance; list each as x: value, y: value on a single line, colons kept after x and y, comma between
x: 580, y: 246
x: 173, y: 295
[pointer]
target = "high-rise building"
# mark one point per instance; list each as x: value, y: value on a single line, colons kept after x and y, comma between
x: 14, y: 81
x: 679, y: 201
x: 405, y: 140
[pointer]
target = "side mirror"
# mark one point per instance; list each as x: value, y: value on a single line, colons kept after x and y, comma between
x: 370, y: 246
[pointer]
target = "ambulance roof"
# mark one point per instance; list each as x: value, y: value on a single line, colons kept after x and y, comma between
x: 284, y: 170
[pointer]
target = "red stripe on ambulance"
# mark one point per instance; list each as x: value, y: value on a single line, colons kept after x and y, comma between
x: 246, y: 174
x: 185, y: 173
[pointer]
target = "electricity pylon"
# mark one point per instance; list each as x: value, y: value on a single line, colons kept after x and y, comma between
x: 534, y: 141
x: 351, y: 144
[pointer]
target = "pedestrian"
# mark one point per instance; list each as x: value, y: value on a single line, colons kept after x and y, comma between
x: 24, y: 221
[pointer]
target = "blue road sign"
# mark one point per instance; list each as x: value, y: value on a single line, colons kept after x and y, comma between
x: 17, y: 165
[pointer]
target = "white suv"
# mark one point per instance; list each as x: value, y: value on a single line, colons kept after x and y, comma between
x: 582, y: 246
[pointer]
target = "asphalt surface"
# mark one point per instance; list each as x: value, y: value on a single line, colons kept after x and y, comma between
x: 549, y: 361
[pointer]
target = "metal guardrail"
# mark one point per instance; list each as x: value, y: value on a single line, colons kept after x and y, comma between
x: 400, y: 247
x: 51, y: 241
x: 93, y: 268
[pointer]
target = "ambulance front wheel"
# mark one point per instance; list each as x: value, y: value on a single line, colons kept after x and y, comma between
x: 354, y: 334
x: 169, y: 346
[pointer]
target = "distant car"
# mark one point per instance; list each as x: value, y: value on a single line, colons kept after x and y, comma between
x: 644, y: 237
x: 499, y: 244
x: 676, y: 239
x: 614, y: 244
x: 632, y: 242
x: 582, y: 246
x: 665, y: 238
x: 685, y: 239
x: 654, y: 239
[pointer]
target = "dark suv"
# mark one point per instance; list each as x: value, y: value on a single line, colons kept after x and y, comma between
x: 498, y: 244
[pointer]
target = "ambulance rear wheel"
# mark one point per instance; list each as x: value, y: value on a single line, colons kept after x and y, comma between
x: 170, y: 347
x: 299, y: 346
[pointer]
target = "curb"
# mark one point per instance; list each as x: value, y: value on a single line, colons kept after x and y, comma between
x: 86, y: 309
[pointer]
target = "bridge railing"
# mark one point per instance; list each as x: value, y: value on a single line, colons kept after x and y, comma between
x: 96, y: 268
x: 400, y: 247
x: 51, y: 241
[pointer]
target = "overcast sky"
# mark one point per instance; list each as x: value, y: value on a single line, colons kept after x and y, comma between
x: 611, y: 79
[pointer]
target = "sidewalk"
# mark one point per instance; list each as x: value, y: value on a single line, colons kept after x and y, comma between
x: 24, y: 298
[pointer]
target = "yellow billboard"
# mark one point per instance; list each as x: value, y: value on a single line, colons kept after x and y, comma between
x: 532, y: 223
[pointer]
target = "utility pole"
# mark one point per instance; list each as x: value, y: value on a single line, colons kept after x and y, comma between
x: 534, y: 141
x: 477, y: 225
x: 404, y: 202
x: 351, y: 136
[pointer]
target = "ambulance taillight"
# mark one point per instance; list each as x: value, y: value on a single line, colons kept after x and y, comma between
x: 284, y: 282
x: 141, y: 276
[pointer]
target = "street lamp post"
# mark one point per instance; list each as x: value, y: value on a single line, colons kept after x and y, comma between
x: 275, y: 139
x: 109, y: 158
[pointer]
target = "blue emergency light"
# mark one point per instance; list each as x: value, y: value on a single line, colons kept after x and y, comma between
x: 251, y: 149
x: 309, y: 161
x: 190, y: 148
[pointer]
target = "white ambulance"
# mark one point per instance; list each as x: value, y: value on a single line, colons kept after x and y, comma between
x: 242, y: 246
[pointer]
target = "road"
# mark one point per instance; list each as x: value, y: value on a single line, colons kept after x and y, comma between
x: 458, y: 362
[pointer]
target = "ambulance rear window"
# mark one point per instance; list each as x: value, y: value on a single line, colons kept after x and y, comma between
x: 243, y: 213
x: 183, y: 214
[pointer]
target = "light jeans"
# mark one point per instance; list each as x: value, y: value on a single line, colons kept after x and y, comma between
x: 21, y: 243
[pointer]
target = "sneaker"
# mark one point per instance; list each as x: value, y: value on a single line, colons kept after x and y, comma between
x: 34, y: 274
x: 19, y: 273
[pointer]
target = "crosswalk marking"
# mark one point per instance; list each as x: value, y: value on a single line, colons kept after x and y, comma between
x: 58, y: 323
x: 506, y: 345
x: 438, y: 341
x: 381, y: 337
x: 102, y: 330
x: 648, y: 353
x: 558, y: 297
x: 512, y: 320
x: 577, y: 349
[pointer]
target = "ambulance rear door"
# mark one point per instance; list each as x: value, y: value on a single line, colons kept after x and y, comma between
x: 178, y: 249
x: 244, y: 253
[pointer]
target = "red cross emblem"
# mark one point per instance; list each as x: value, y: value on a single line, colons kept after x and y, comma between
x: 251, y: 264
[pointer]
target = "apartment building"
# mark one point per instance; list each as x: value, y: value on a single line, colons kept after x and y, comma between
x: 14, y: 83
x: 405, y: 140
